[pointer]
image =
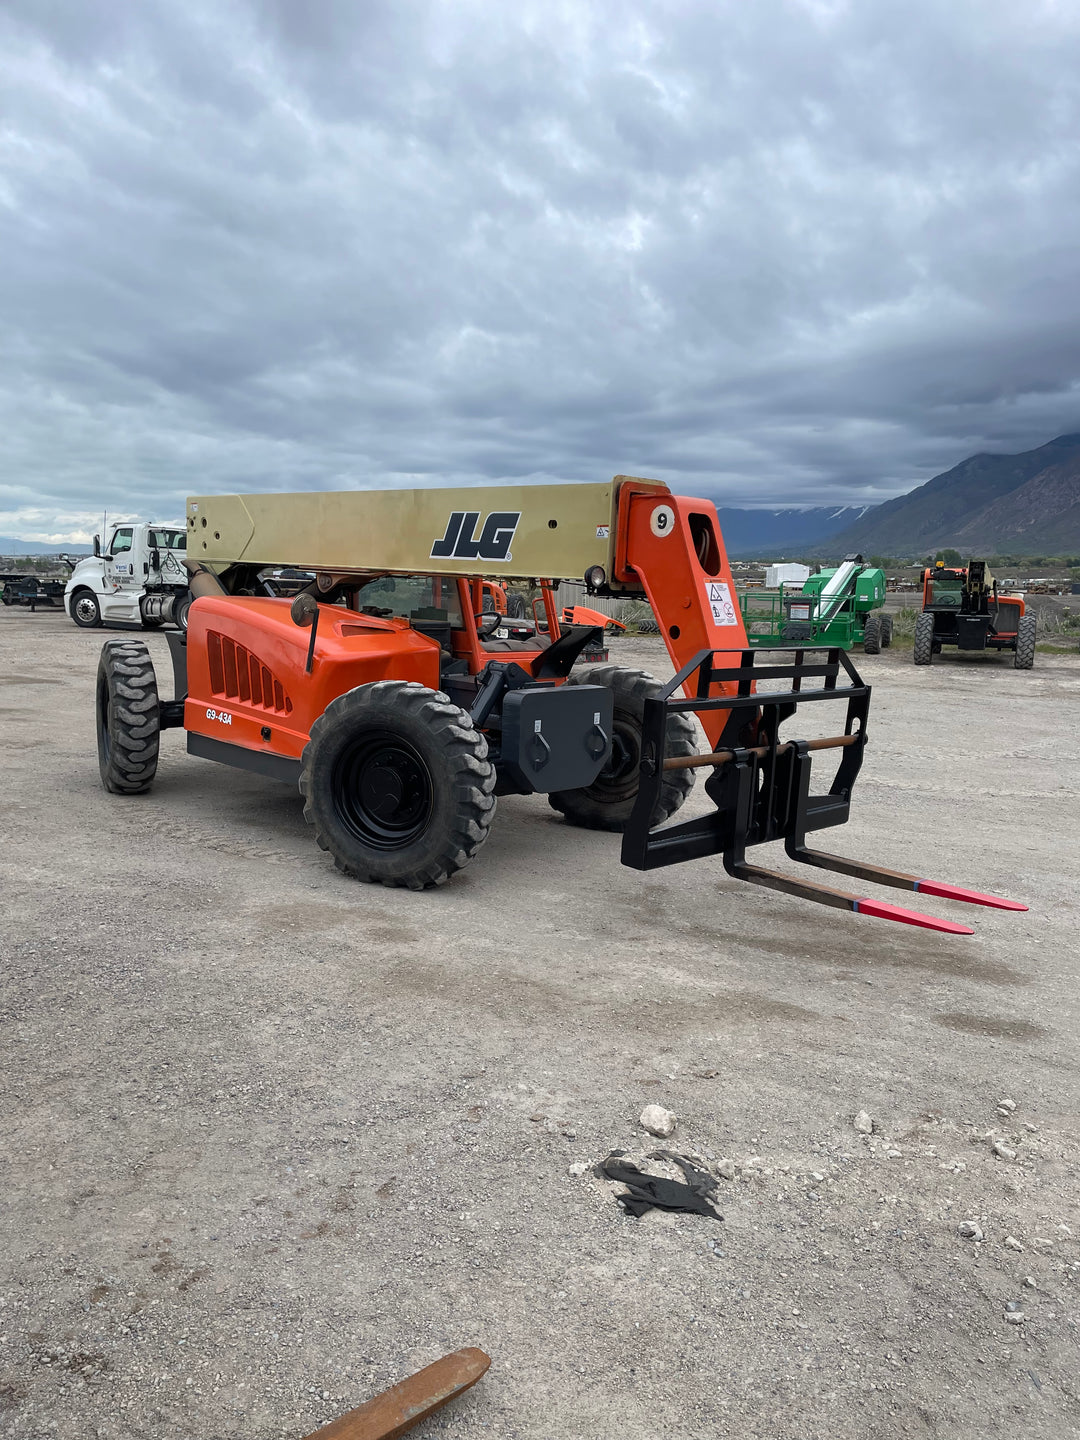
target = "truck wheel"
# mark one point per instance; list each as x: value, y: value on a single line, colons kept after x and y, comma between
x: 398, y: 785
x: 872, y: 635
x: 886, y: 631
x: 180, y: 613
x: 924, y: 640
x: 606, y: 803
x: 85, y: 610
x: 128, y: 717
x: 1024, y: 658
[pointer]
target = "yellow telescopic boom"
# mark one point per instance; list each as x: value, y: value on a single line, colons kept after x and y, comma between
x: 517, y: 532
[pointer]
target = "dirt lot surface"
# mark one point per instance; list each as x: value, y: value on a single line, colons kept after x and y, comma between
x: 273, y: 1139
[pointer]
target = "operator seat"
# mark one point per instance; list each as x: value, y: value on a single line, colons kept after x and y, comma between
x: 538, y: 642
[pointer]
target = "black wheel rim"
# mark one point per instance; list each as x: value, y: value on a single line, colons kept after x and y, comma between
x: 382, y: 791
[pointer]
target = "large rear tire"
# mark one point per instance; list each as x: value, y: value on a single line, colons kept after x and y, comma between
x: 1024, y: 657
x: 85, y: 610
x: 606, y: 803
x: 398, y: 785
x: 886, y: 631
x: 924, y: 639
x: 872, y: 635
x: 128, y: 717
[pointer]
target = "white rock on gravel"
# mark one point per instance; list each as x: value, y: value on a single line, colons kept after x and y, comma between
x: 726, y: 1170
x: 968, y: 1230
x: 1002, y: 1151
x: 1011, y: 1243
x: 863, y: 1124
x: 658, y: 1121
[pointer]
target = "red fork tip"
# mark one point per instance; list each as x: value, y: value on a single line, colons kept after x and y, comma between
x: 881, y: 910
x: 970, y: 897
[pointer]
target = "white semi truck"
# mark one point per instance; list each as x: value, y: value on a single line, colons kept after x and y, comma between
x: 138, y: 578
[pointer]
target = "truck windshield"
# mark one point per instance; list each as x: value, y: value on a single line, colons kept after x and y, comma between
x: 168, y: 540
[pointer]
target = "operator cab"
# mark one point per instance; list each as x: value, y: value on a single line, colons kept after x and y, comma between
x: 441, y: 607
x: 946, y: 587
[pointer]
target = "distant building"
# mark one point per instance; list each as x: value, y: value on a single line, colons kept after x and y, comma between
x: 777, y: 575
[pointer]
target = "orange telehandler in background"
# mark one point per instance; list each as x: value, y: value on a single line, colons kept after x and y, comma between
x: 384, y: 693
x: 962, y: 607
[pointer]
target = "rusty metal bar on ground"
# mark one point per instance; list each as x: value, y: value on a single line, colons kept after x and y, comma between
x: 405, y: 1404
x: 724, y: 757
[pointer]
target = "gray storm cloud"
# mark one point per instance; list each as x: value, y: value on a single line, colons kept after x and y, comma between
x: 780, y: 252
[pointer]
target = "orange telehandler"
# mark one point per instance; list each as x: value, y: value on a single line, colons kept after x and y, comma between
x: 382, y: 691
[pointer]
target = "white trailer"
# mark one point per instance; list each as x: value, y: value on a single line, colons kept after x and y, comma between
x: 138, y: 578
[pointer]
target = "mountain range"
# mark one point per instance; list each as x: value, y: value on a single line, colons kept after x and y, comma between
x: 10, y: 546
x: 1026, y: 504
x: 772, y: 532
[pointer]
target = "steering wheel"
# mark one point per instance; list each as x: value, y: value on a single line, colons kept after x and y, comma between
x: 487, y: 624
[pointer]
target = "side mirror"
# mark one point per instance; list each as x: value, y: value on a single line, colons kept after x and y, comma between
x: 97, y: 545
x: 304, y: 609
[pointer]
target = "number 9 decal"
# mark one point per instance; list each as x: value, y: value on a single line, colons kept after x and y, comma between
x: 662, y: 521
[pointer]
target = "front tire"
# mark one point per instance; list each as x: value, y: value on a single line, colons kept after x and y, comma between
x: 1024, y: 658
x: 85, y: 610
x: 886, y: 631
x: 923, y: 653
x: 398, y: 785
x: 128, y: 717
x: 606, y: 803
x: 872, y: 635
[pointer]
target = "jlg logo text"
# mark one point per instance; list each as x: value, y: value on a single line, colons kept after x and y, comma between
x: 462, y: 543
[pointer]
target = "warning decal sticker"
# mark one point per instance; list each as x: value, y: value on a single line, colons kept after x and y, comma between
x: 718, y: 597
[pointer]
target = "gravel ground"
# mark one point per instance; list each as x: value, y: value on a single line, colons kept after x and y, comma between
x: 273, y: 1140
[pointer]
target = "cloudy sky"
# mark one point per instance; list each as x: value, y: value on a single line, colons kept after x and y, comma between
x: 770, y: 250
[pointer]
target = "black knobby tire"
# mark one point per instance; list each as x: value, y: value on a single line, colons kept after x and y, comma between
x: 398, y: 785
x: 872, y: 635
x: 128, y: 717
x: 85, y: 610
x: 923, y: 652
x: 606, y: 803
x: 1024, y: 658
x: 886, y: 631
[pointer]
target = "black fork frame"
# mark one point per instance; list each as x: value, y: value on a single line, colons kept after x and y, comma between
x: 762, y: 793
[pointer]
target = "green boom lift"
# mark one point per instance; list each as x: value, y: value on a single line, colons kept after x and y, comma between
x: 832, y: 607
